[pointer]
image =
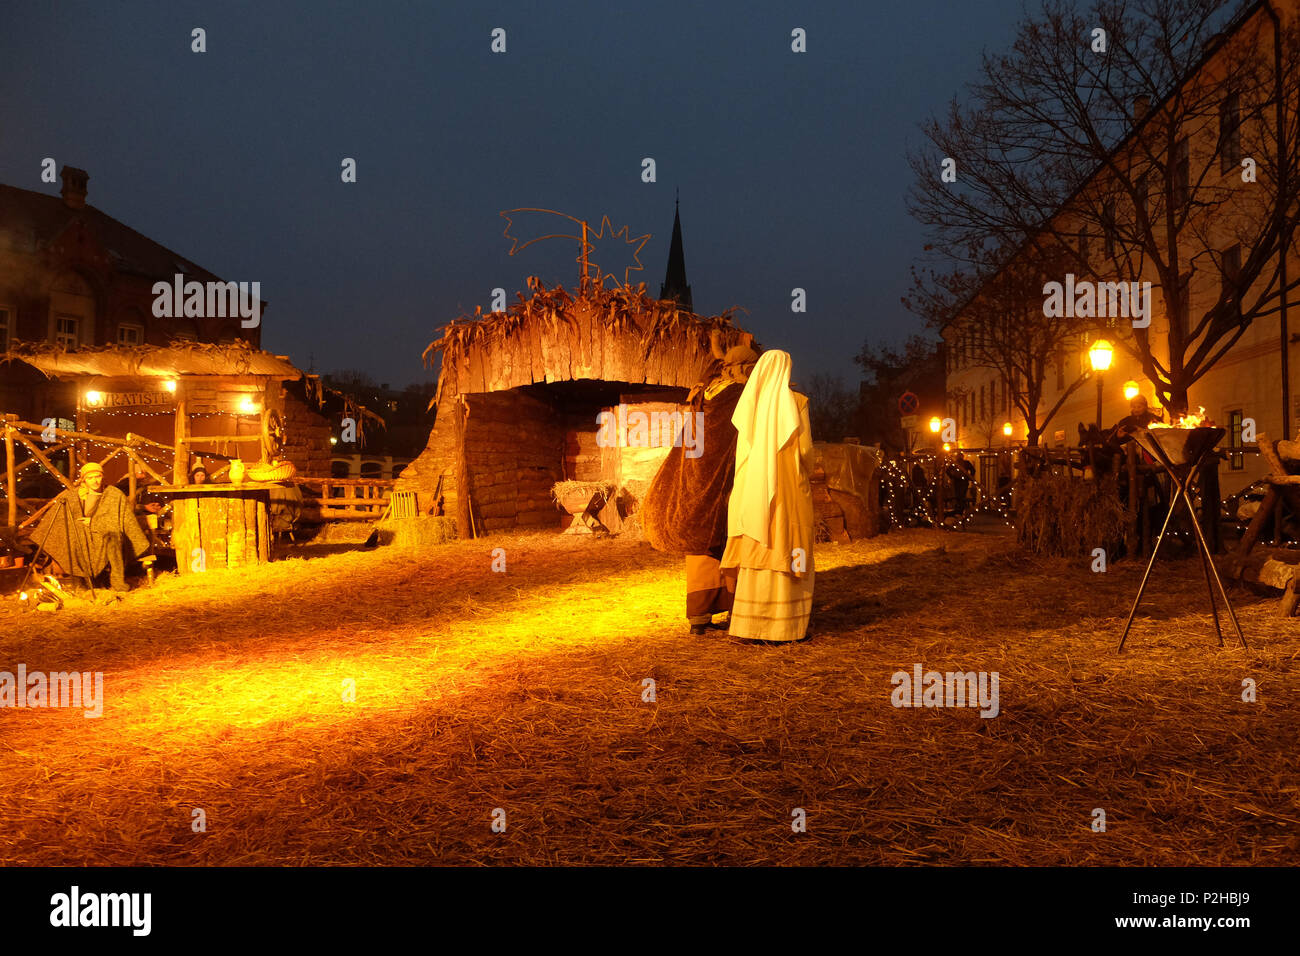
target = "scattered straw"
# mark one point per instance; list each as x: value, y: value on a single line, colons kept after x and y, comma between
x: 523, y: 690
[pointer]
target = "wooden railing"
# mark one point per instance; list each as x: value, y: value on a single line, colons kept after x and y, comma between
x: 344, y: 499
x: 27, y: 434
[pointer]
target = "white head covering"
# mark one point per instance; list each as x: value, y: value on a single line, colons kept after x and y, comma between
x: 766, y: 419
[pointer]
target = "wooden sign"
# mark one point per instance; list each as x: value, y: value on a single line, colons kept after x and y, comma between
x: 131, y: 400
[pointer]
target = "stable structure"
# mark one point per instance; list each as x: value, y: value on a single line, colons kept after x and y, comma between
x: 521, y: 395
x: 150, y: 413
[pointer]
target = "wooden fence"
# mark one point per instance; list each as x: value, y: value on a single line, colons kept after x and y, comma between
x: 324, y: 499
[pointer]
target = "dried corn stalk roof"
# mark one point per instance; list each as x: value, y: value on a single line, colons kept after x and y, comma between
x: 619, y: 334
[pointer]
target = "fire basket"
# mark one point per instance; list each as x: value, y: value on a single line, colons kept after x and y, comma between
x: 1180, y: 452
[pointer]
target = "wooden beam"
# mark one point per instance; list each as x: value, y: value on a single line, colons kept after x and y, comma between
x: 11, y: 476
x: 181, y: 433
x: 36, y: 516
x: 43, y: 460
x: 143, y: 464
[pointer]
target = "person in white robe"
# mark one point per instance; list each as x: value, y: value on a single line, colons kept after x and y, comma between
x: 770, y: 512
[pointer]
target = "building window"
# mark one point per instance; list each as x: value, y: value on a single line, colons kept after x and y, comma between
x: 66, y: 332
x: 1236, y: 458
x: 128, y: 333
x: 6, y: 326
x: 981, y: 418
x: 1230, y: 133
x: 1230, y: 272
x: 1108, y: 228
x: 1182, y: 172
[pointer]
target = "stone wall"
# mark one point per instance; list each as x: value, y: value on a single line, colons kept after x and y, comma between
x: 514, y: 446
x: 307, y: 438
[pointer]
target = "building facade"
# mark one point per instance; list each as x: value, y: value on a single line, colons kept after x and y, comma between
x: 1244, y: 390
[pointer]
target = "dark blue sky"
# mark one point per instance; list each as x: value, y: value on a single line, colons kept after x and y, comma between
x: 791, y: 166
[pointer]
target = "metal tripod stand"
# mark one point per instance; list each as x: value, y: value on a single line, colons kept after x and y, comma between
x: 1182, y: 474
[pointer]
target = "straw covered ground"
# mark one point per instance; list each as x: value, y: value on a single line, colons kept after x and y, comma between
x: 524, y: 692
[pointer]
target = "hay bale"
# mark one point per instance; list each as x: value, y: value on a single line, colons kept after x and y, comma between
x: 418, y: 531
x: 1065, y: 517
x: 343, y: 532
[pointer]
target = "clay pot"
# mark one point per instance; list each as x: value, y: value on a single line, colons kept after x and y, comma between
x: 237, y: 471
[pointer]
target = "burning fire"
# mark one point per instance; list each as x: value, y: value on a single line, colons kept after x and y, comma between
x: 1187, y: 421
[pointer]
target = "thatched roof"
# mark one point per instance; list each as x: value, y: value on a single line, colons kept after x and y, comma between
x: 185, y: 358
x: 619, y: 335
x: 191, y: 358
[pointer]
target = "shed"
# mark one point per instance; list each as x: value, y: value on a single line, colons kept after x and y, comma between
x: 521, y: 393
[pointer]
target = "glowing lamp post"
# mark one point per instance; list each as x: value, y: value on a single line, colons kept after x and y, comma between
x: 1100, y: 355
x: 1006, y: 431
x: 1131, y: 390
x: 935, y: 424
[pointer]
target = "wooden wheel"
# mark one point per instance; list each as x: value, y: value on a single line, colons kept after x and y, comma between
x: 272, y: 435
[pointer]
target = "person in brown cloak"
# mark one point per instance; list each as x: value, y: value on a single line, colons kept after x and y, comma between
x: 685, y: 507
x: 88, y: 528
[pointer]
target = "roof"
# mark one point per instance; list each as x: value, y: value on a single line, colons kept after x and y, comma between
x: 42, y: 217
x: 674, y: 286
x: 599, y: 334
x: 148, y: 360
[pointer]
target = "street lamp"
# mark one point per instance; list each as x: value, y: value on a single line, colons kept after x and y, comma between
x: 1006, y: 429
x: 1100, y: 355
x: 935, y: 424
x: 1131, y: 390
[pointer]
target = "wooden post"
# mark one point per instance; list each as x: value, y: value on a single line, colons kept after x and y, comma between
x: 460, y: 410
x: 1277, y: 520
x: 74, y: 460
x: 11, y: 477
x: 1211, y: 502
x: 132, y: 490
x: 181, y: 437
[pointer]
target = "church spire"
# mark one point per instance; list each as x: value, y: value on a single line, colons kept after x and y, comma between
x: 675, y: 286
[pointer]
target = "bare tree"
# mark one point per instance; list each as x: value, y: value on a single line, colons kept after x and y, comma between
x: 1003, y: 328
x: 889, y: 372
x: 1159, y: 148
x: 832, y: 408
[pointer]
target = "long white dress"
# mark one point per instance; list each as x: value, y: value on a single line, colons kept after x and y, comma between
x: 770, y: 512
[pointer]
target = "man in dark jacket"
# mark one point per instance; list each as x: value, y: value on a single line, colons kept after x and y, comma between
x: 685, y: 507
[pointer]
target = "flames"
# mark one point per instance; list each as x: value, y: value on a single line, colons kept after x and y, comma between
x: 1190, y: 420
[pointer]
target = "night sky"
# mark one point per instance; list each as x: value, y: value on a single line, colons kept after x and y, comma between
x: 791, y: 167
